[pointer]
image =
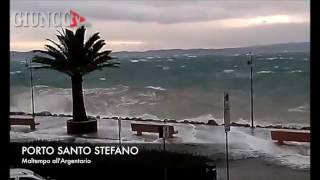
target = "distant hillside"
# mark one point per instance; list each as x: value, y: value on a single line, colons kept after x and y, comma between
x: 263, y: 49
x: 20, y: 56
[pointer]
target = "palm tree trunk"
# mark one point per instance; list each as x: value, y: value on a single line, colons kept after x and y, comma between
x: 79, y: 111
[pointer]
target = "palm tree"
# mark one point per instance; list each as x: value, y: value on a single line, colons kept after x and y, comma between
x: 75, y: 57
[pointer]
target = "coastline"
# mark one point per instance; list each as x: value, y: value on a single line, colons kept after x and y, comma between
x: 210, y: 122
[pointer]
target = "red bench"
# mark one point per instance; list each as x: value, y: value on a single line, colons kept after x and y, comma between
x: 153, y: 128
x: 23, y: 120
x: 281, y: 136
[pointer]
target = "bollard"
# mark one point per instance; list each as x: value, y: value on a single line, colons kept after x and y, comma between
x: 211, y: 171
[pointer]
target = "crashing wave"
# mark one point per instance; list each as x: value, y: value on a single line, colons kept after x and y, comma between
x: 156, y: 88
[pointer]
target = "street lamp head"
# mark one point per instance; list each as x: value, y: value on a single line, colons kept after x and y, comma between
x: 26, y: 63
x: 250, y: 58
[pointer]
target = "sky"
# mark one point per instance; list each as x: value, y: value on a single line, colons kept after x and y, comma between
x: 146, y: 25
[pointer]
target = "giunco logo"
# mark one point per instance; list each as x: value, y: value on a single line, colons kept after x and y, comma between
x: 54, y: 19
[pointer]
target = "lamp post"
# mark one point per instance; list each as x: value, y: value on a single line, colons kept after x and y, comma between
x: 250, y: 62
x: 165, y: 130
x: 226, y: 118
x: 227, y: 155
x: 28, y: 64
x: 119, y: 131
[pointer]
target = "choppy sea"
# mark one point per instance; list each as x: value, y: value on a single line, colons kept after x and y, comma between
x: 180, y: 86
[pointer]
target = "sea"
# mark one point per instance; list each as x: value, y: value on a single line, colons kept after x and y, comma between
x: 183, y: 85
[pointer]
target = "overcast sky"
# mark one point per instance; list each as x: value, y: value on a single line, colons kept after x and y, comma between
x: 144, y: 25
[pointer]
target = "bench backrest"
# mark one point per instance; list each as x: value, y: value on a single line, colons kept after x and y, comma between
x: 18, y: 121
x: 290, y: 136
x: 150, y: 127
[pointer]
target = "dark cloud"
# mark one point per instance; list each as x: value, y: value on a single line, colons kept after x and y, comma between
x: 167, y: 11
x: 174, y: 24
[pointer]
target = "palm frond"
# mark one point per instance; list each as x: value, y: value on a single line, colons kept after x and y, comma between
x: 91, y: 40
x: 97, y: 46
x: 62, y: 49
x: 79, y: 36
x: 72, y: 55
x: 93, y: 67
x: 102, y: 58
x: 55, y: 52
x: 51, y: 64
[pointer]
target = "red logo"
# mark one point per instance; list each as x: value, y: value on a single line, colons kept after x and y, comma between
x: 76, y: 19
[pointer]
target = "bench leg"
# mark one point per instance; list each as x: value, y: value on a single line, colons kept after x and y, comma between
x: 280, y: 142
x: 161, y: 132
x: 170, y: 135
x: 33, y: 126
x: 139, y: 133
